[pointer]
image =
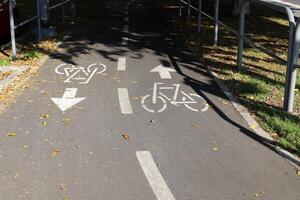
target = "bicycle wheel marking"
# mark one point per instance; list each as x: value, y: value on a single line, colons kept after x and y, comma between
x: 157, y: 101
x: 79, y: 74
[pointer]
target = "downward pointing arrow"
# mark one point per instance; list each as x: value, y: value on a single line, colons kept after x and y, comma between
x: 164, y: 72
x: 68, y: 99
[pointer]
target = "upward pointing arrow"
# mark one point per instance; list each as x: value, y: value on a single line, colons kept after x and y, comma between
x: 164, y: 72
x: 68, y: 99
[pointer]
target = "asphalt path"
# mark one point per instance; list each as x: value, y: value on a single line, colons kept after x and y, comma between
x: 96, y: 123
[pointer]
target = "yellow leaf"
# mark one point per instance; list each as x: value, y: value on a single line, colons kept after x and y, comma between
x: 126, y: 136
x: 44, y: 123
x: 44, y: 116
x: 215, y: 149
x: 54, y: 152
x: 298, y: 172
x: 11, y: 134
x: 253, y: 126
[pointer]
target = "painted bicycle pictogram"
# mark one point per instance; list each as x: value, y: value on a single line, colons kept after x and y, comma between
x: 157, y: 101
x: 80, y: 74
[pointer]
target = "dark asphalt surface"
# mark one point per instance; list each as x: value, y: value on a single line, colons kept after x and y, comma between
x: 209, y: 155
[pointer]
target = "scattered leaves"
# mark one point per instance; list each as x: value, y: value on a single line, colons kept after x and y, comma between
x: 194, y: 125
x: 125, y: 136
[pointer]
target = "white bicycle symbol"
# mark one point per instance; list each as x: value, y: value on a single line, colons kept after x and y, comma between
x: 80, y: 74
x: 157, y: 102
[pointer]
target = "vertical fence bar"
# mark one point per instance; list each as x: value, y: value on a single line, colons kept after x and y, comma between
x: 63, y: 11
x: 216, y: 28
x: 73, y: 8
x: 199, y: 15
x: 292, y: 76
x: 12, y: 30
x: 243, y: 7
x: 180, y: 8
x: 189, y: 10
x: 39, y: 27
x: 292, y: 26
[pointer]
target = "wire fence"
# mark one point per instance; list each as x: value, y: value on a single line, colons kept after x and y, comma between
x: 25, y: 16
x: 293, y: 46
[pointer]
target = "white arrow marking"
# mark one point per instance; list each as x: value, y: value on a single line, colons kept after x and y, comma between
x: 68, y: 99
x: 164, y: 72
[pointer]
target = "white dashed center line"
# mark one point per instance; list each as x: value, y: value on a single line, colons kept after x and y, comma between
x: 125, y: 104
x: 121, y: 64
x: 155, y: 179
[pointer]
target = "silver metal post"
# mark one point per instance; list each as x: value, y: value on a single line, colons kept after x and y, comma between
x: 39, y: 27
x: 292, y: 26
x: 189, y: 10
x: 12, y: 30
x: 63, y: 11
x: 241, y: 35
x: 199, y: 15
x: 292, y: 76
x: 216, y: 29
x: 73, y: 8
x: 180, y: 8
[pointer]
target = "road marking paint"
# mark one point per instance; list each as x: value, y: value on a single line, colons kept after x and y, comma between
x: 155, y: 179
x: 121, y: 64
x: 68, y: 99
x: 124, y: 41
x: 126, y: 28
x: 164, y: 72
x: 124, y: 101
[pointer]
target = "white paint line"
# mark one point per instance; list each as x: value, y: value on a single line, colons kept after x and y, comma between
x: 155, y: 179
x: 124, y: 101
x: 124, y: 41
x: 121, y: 64
x: 126, y: 28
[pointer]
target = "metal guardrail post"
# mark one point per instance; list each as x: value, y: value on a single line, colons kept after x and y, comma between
x: 292, y: 26
x: 292, y: 75
x: 243, y: 7
x: 73, y: 8
x: 189, y: 10
x: 199, y: 15
x: 12, y: 30
x: 216, y: 28
x: 180, y: 8
x: 39, y: 26
x: 63, y: 11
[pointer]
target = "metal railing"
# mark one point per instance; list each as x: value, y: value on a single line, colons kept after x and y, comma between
x: 293, y: 46
x: 37, y: 18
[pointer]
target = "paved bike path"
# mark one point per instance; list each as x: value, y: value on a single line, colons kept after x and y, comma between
x: 81, y: 153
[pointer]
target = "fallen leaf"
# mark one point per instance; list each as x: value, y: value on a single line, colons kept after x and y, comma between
x: 63, y: 187
x: 44, y: 116
x: 194, y: 125
x: 65, y: 198
x: 152, y: 121
x: 66, y: 121
x: 215, y: 149
x: 16, y: 176
x: 54, y: 152
x: 253, y: 126
x: 298, y: 172
x: 256, y: 195
x: 11, y: 134
x: 25, y: 146
x: 125, y: 136
x: 222, y: 101
x: 45, y: 123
